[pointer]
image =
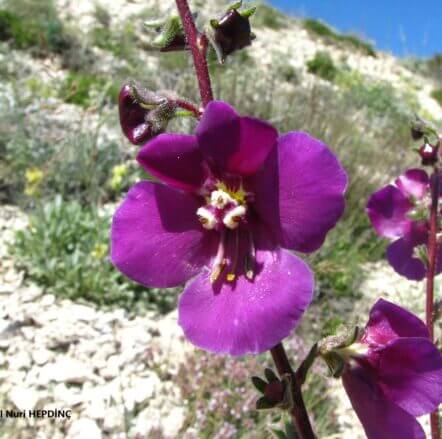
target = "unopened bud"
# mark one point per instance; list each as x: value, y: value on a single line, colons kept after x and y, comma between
x: 232, y: 32
x: 170, y: 34
x: 143, y: 113
x: 429, y: 154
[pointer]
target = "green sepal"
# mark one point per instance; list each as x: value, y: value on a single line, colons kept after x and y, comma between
x: 235, y: 5
x: 246, y: 13
x: 270, y: 375
x: 259, y: 383
x: 264, y: 404
x: 214, y: 23
x: 172, y: 28
x: 279, y: 434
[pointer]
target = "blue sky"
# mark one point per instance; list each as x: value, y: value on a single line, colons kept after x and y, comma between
x: 404, y: 27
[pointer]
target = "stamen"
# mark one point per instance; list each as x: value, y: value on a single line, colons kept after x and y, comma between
x: 220, y: 199
x: 206, y: 218
x: 232, y: 275
x: 220, y: 262
x: 233, y: 218
x: 250, y: 259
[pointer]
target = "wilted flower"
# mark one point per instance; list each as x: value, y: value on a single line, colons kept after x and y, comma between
x: 393, y: 374
x: 143, y: 114
x: 400, y: 212
x: 233, y: 197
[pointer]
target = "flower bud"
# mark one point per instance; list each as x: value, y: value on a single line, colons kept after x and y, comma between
x: 232, y: 32
x: 429, y: 154
x: 170, y: 34
x: 143, y: 114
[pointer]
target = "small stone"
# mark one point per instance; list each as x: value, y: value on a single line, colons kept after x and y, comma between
x: 42, y: 356
x: 113, y: 419
x: 21, y: 360
x: 84, y: 428
x: 82, y: 312
x: 24, y: 398
x: 30, y: 293
x: 47, y: 300
x: 66, y: 369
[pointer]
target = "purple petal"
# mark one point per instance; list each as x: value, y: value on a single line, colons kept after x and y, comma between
x: 414, y: 182
x: 156, y: 237
x: 402, y: 258
x: 300, y: 191
x: 256, y: 141
x: 247, y: 316
x: 389, y: 321
x: 218, y: 133
x: 387, y: 210
x: 380, y: 417
x: 410, y: 374
x: 175, y: 159
x: 233, y: 144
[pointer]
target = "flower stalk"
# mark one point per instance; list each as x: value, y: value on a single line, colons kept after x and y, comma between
x: 298, y: 413
x: 432, y: 264
x: 198, y: 46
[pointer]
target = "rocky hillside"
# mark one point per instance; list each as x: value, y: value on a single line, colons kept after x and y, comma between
x: 74, y: 332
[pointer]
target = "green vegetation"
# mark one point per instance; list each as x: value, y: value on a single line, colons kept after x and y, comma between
x: 34, y: 26
x: 437, y: 95
x: 322, y: 65
x: 378, y: 98
x: 266, y: 16
x: 85, y: 89
x: 320, y: 29
x: 65, y: 249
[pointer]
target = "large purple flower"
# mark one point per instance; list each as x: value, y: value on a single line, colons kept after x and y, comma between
x: 400, y: 212
x: 394, y: 374
x: 230, y: 199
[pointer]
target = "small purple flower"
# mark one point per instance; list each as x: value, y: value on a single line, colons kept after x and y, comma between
x: 400, y: 212
x: 394, y: 374
x: 230, y: 200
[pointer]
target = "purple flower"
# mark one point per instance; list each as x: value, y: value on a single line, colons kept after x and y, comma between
x: 394, y: 374
x: 400, y: 212
x: 230, y: 200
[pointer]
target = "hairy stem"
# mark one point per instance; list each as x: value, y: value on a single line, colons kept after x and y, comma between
x: 299, y: 413
x: 432, y: 264
x: 186, y: 105
x: 198, y: 47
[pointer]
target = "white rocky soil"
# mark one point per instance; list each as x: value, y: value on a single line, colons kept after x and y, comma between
x: 56, y: 354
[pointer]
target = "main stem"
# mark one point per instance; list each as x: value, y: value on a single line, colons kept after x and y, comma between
x: 198, y: 47
x: 432, y: 264
x: 299, y: 413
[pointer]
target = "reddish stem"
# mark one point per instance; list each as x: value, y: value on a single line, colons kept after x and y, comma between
x: 432, y: 264
x: 186, y: 105
x: 299, y: 413
x: 198, y: 47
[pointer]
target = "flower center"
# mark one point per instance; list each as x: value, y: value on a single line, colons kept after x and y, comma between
x: 224, y: 208
x: 225, y: 211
